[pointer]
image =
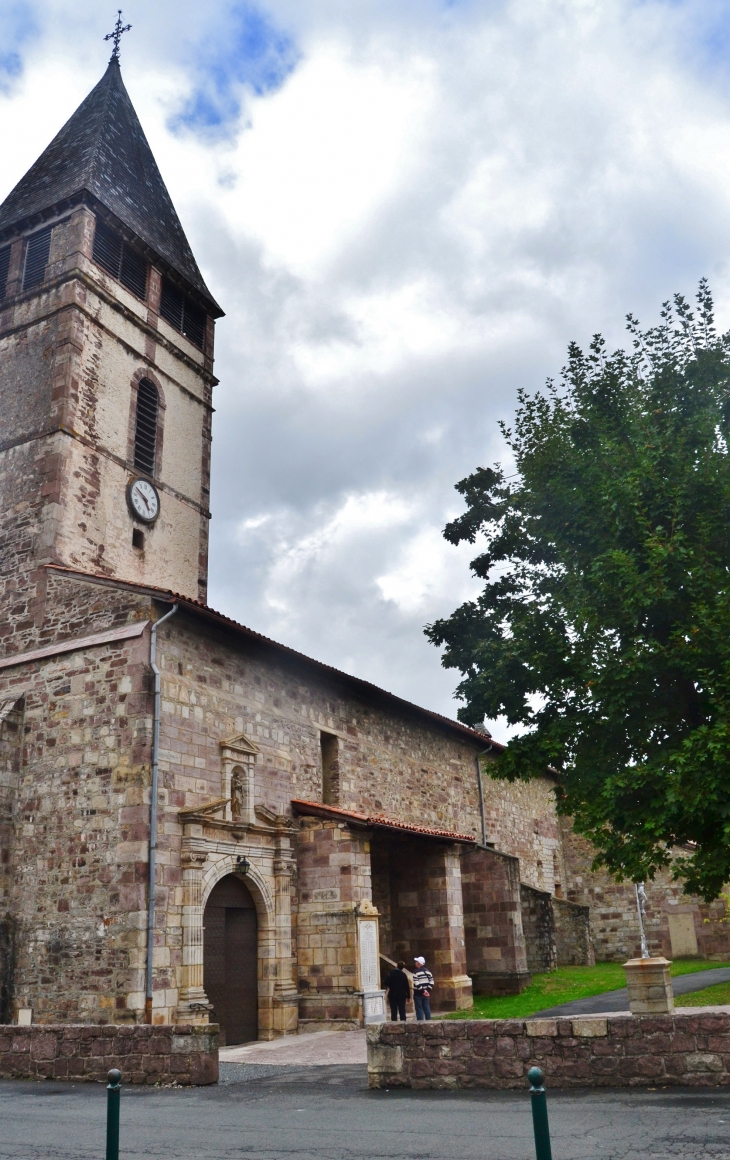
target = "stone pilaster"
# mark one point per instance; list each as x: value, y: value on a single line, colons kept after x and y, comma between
x: 286, y: 999
x: 193, y: 1005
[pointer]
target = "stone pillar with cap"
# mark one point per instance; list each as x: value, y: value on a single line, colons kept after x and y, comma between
x: 650, y: 986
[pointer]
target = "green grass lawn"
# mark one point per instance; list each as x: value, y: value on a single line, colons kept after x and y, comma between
x: 553, y: 987
x: 718, y: 996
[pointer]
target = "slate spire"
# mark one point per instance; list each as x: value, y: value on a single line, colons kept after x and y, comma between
x: 102, y: 154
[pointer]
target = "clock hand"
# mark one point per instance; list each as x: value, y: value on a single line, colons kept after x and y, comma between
x: 143, y: 497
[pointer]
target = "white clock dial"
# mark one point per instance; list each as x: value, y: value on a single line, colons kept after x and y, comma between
x: 144, y: 500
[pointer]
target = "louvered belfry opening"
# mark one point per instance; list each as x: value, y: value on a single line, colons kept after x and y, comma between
x: 182, y: 313
x: 145, y: 432
x: 4, y: 269
x: 37, y: 253
x: 113, y: 254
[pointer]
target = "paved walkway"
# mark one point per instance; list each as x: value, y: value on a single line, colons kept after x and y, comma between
x: 318, y: 1049
x: 327, y: 1113
x: 613, y: 1001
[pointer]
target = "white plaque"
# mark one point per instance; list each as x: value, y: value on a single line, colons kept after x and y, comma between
x: 369, y: 964
x: 374, y: 1005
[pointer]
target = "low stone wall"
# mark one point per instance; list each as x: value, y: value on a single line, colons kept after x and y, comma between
x: 573, y: 941
x: 170, y: 1054
x: 617, y: 1051
x: 538, y: 924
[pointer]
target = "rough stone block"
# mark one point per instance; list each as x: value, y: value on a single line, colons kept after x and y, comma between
x: 383, y: 1058
x: 589, y: 1027
x: 541, y: 1026
x: 704, y: 1061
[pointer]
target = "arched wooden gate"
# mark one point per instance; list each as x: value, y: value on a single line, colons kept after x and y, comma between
x: 230, y: 959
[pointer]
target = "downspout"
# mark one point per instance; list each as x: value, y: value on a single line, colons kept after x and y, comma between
x: 481, y: 792
x: 153, y: 812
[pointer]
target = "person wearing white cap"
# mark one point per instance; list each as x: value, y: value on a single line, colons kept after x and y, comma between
x: 422, y: 988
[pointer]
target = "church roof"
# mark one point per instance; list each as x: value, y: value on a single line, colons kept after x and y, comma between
x: 102, y: 151
x: 365, y: 688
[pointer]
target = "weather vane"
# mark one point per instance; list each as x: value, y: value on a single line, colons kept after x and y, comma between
x: 116, y: 35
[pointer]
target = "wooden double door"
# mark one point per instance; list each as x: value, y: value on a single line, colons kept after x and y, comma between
x: 230, y: 960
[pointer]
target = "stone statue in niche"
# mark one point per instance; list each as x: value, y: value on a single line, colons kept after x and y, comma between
x: 238, y: 792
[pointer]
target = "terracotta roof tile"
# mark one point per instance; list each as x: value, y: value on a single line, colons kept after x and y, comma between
x: 374, y: 821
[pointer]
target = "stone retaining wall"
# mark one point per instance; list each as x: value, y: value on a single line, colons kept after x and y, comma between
x: 588, y: 1051
x: 538, y: 924
x: 162, y: 1054
x: 573, y: 941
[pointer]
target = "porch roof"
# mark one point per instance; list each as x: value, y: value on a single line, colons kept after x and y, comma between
x: 375, y: 821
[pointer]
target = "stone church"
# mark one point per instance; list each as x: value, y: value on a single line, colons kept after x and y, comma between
x: 197, y: 822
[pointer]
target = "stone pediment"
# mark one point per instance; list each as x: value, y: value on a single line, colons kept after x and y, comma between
x: 239, y: 747
x: 203, y: 811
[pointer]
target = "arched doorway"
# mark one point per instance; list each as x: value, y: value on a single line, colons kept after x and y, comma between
x: 230, y: 959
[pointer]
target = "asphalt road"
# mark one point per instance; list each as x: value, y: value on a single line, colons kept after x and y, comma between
x: 327, y: 1113
x: 619, y: 1000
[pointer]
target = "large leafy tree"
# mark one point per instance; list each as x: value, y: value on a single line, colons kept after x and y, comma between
x: 604, y: 623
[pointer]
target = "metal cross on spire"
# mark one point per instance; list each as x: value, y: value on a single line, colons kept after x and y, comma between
x: 116, y: 35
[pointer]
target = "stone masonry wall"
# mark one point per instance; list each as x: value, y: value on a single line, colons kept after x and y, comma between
x: 573, y: 940
x: 557, y: 932
x: 69, y: 353
x: 76, y: 842
x: 217, y: 684
x: 428, y: 916
x: 613, y: 910
x: 538, y: 924
x: 334, y: 877
x: 495, y: 946
x: 620, y: 1051
x: 151, y: 1055
x: 521, y: 820
x: 11, y: 741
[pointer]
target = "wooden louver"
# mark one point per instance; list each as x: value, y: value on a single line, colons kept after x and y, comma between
x: 113, y: 254
x: 145, y: 432
x: 37, y: 253
x: 182, y: 313
x: 4, y: 268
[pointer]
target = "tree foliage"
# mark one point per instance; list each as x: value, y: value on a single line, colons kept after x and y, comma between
x: 604, y: 623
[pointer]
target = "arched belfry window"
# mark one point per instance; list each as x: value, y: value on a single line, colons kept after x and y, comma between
x: 145, y: 431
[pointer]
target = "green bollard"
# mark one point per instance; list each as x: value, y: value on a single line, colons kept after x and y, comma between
x: 540, y: 1124
x: 113, y: 1092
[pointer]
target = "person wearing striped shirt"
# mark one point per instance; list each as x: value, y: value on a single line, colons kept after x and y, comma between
x: 422, y: 988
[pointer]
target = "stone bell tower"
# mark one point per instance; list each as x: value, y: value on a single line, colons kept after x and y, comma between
x: 106, y: 365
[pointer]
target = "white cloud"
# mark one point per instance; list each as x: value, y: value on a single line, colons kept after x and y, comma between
x: 322, y: 153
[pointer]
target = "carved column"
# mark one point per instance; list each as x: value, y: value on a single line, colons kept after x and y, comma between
x: 286, y: 1000
x: 193, y: 1005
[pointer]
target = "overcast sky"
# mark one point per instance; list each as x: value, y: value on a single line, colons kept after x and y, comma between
x: 407, y: 209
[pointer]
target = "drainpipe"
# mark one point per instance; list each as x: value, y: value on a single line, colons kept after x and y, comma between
x: 153, y: 812
x: 481, y: 792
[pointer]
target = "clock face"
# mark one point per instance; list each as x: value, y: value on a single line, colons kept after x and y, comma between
x: 144, y: 500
